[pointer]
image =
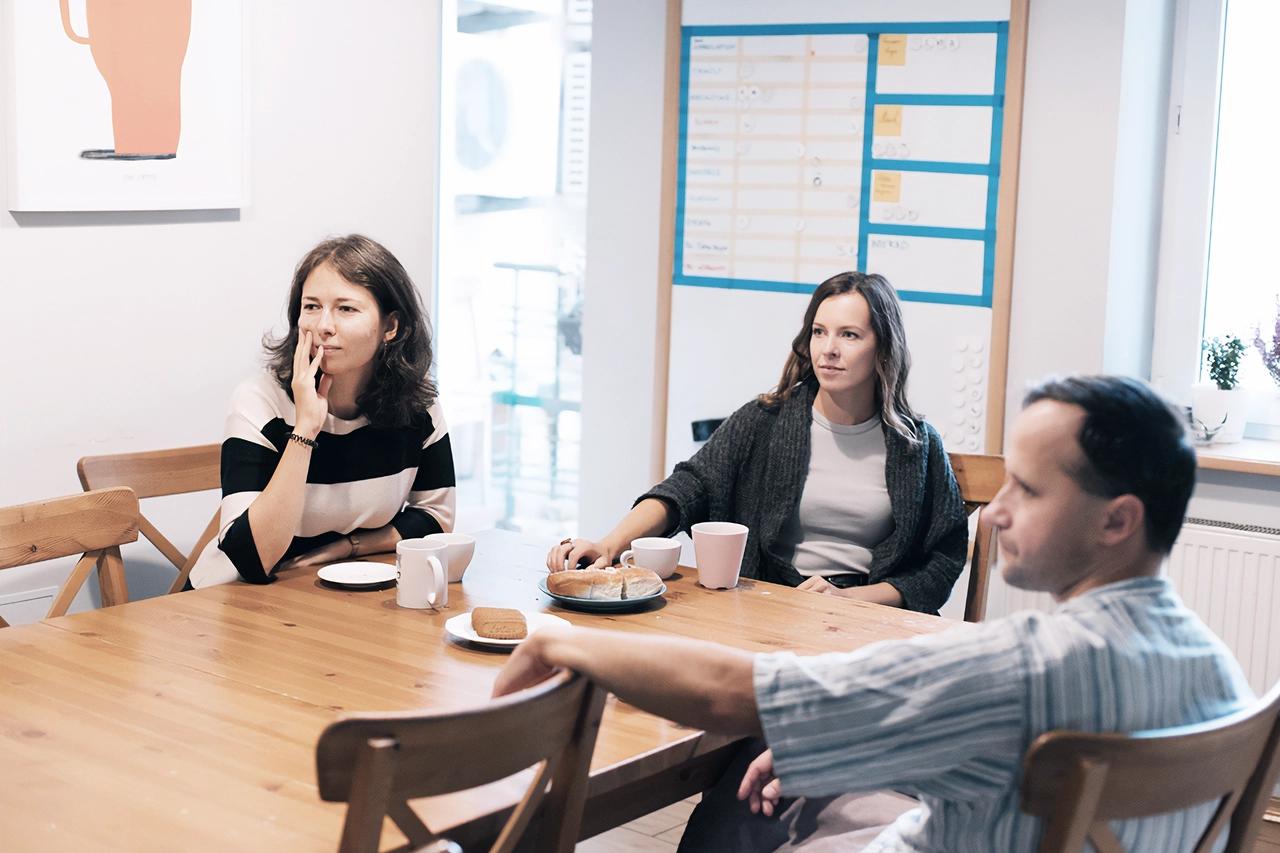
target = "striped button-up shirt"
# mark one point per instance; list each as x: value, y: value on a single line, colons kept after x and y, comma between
x: 947, y: 718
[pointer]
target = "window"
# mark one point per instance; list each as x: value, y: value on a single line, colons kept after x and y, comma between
x: 515, y: 84
x: 1218, y: 276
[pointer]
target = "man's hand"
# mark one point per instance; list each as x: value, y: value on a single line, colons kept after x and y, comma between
x: 820, y: 585
x: 526, y: 666
x: 760, y: 788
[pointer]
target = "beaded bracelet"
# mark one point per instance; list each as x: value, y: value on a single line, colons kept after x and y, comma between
x: 309, y: 442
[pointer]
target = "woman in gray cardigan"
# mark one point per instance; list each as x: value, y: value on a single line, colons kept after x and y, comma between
x: 845, y: 490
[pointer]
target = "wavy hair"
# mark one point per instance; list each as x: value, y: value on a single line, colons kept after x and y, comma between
x: 893, y: 361
x: 401, y: 390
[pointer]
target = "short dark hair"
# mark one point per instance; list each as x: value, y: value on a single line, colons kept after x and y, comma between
x: 401, y: 390
x: 1134, y: 443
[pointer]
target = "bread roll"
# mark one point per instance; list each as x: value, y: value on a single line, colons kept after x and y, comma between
x: 499, y: 623
x: 594, y: 584
x: 637, y: 582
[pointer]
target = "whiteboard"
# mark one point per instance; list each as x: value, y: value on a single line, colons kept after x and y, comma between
x: 822, y: 137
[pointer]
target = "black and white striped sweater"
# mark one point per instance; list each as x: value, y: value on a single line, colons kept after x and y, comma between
x: 361, y: 477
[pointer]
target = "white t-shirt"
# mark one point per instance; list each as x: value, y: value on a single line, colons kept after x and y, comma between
x: 844, y: 509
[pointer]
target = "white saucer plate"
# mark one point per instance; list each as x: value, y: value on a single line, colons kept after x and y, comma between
x: 358, y: 574
x: 460, y: 628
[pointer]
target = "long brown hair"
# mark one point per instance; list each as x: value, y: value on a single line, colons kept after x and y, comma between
x: 401, y: 389
x: 893, y: 361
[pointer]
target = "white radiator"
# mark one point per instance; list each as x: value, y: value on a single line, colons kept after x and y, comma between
x: 1228, y: 574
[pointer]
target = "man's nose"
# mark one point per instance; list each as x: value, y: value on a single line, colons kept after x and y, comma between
x: 996, y: 511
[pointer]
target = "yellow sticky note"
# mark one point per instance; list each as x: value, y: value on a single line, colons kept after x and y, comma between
x: 893, y: 50
x: 888, y: 120
x: 886, y: 186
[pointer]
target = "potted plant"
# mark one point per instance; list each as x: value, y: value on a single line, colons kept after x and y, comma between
x: 1219, y: 408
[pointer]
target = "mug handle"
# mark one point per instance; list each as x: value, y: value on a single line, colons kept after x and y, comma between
x: 66, y: 25
x: 441, y: 581
x: 629, y: 553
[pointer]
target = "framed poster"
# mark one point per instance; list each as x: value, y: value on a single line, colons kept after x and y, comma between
x: 124, y: 105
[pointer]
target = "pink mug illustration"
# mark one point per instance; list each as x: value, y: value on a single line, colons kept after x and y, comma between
x: 139, y: 47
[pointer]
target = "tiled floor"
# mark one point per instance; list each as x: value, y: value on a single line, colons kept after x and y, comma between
x: 657, y: 832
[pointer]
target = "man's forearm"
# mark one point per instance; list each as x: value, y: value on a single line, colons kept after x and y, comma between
x: 689, y: 681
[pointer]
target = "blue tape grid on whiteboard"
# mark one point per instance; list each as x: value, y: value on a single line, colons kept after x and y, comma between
x: 991, y: 169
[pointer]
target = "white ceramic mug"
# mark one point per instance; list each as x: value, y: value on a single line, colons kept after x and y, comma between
x: 420, y: 577
x: 719, y: 546
x: 459, y: 548
x: 655, y: 553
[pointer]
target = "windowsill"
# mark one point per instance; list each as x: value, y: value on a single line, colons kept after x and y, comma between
x: 1250, y: 456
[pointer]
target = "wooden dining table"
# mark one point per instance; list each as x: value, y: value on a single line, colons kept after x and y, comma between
x: 189, y: 721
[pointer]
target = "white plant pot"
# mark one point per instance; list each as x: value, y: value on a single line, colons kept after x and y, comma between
x: 1225, y: 411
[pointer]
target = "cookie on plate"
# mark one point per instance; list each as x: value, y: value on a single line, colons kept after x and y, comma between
x: 499, y: 623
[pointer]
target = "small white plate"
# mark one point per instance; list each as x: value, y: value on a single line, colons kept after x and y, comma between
x: 460, y: 627
x: 357, y: 574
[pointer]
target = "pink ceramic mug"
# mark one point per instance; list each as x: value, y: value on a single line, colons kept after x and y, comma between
x: 719, y: 546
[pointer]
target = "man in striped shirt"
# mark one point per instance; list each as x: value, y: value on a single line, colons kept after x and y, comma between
x: 1099, y: 475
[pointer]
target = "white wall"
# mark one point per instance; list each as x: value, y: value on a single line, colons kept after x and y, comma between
x: 1084, y: 254
x: 128, y: 331
x: 622, y: 273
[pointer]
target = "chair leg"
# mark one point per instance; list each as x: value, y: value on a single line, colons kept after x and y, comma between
x: 410, y: 824
x: 1067, y: 829
x: 370, y: 793
x: 184, y: 571
x: 575, y: 765
x: 111, y: 580
x: 71, y: 586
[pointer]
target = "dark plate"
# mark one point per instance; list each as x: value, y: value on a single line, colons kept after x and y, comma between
x: 596, y: 605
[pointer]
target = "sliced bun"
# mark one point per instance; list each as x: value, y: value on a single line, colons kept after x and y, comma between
x: 637, y: 582
x: 595, y: 584
x: 499, y: 623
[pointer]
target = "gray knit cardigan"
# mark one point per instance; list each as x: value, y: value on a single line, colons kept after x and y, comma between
x: 752, y: 471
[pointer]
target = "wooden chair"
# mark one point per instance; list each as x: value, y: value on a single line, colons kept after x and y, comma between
x: 376, y: 762
x: 980, y: 477
x: 158, y: 473
x: 94, y: 524
x: 1077, y: 781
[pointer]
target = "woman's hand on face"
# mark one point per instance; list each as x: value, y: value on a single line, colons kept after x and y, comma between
x: 819, y: 585
x: 572, y: 551
x: 310, y: 403
x: 338, y: 549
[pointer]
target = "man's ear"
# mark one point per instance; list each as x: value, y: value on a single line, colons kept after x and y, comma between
x: 392, y: 327
x: 1123, y: 517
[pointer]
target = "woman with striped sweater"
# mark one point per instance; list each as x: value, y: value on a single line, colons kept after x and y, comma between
x: 340, y: 448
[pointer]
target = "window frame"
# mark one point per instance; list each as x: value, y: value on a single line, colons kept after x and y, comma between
x: 1187, y: 213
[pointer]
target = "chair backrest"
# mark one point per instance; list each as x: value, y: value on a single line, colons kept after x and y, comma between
x: 157, y: 473
x: 980, y: 477
x: 1077, y: 781
x: 94, y: 524
x: 375, y: 762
